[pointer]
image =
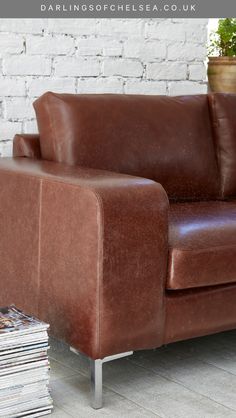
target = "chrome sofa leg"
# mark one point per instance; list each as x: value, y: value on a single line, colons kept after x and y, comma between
x: 96, y: 377
x: 96, y: 383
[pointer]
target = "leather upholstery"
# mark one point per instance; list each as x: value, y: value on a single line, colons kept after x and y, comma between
x: 26, y: 145
x: 167, y: 139
x: 88, y: 250
x: 19, y: 238
x: 202, y: 240
x: 197, y: 312
x: 224, y: 122
x: 96, y: 263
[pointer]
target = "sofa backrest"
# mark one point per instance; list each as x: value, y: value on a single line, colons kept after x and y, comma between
x: 223, y: 108
x: 167, y: 139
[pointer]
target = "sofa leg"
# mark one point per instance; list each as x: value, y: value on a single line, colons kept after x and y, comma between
x: 96, y: 377
x: 96, y: 383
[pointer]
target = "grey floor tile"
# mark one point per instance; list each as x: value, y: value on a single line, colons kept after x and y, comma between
x: 59, y: 371
x: 195, y: 346
x: 61, y: 353
x: 222, y: 359
x: 200, y: 377
x: 161, y: 395
x: 59, y: 413
x: 206, y: 379
x: 73, y: 396
x: 194, y: 378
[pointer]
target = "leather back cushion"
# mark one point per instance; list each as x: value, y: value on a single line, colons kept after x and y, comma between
x: 223, y: 107
x: 167, y: 139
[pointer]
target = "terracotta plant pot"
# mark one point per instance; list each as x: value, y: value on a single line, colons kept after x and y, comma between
x: 222, y: 74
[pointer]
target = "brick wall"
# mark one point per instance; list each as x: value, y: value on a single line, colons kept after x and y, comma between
x: 155, y: 56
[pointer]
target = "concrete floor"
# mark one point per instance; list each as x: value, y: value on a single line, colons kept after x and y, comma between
x: 195, y: 378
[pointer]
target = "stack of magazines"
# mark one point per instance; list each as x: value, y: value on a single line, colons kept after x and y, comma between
x: 24, y: 365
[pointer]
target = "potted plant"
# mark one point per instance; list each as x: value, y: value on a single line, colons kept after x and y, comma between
x: 222, y: 57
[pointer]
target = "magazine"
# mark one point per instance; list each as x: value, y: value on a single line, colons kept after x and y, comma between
x: 24, y: 365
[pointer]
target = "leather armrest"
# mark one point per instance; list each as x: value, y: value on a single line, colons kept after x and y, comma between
x: 26, y: 145
x: 86, y: 250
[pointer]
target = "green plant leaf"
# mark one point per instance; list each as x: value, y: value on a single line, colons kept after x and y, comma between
x: 223, y: 40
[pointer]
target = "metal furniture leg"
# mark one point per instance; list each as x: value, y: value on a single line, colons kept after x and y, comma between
x: 96, y: 383
x: 96, y: 376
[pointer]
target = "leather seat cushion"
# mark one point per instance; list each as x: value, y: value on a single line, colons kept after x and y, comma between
x: 202, y: 244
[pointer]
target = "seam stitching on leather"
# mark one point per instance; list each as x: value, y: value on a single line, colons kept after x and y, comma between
x: 51, y: 123
x: 100, y: 269
x: 100, y: 204
x: 214, y: 129
x: 61, y: 181
x: 216, y: 124
x: 39, y: 239
x: 201, y: 249
x: 64, y: 181
x: 100, y: 237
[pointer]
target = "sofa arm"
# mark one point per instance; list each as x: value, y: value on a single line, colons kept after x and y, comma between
x: 26, y: 145
x: 86, y: 250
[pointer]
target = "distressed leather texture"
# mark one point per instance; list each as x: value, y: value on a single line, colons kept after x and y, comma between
x: 119, y: 227
x: 224, y: 124
x: 97, y: 254
x: 197, y: 312
x: 26, y: 145
x: 168, y: 140
x: 202, y: 244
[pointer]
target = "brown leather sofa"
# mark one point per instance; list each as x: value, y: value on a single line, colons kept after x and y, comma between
x: 118, y: 221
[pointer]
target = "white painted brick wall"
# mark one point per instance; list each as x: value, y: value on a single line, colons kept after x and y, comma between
x: 149, y: 56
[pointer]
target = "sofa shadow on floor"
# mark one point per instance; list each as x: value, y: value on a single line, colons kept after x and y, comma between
x: 194, y: 378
